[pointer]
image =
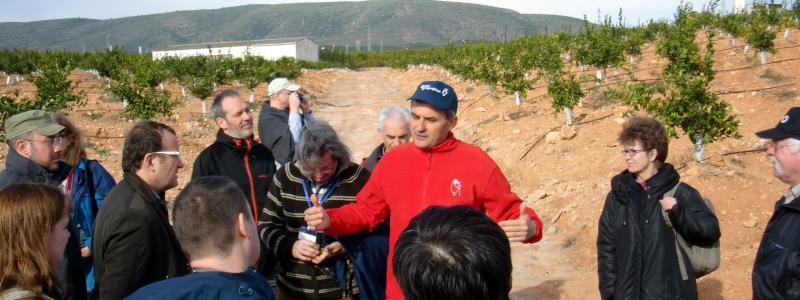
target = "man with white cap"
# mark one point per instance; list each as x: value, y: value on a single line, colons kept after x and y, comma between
x: 776, y: 273
x: 282, y: 118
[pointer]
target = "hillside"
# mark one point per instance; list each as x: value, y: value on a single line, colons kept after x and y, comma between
x: 395, y: 23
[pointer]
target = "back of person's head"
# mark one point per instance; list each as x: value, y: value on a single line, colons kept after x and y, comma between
x: 453, y: 253
x: 205, y: 216
x: 649, y: 132
x: 318, y: 139
x: 73, y: 138
x: 28, y: 213
x: 143, y: 138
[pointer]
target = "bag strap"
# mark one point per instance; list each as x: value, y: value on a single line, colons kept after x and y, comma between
x: 681, y: 264
x: 90, y: 182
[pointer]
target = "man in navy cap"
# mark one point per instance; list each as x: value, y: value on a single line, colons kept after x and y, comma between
x: 436, y: 169
x: 776, y: 273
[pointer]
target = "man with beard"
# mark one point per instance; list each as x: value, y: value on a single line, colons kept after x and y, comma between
x: 776, y: 273
x: 133, y: 242
x: 35, y: 146
x: 238, y: 156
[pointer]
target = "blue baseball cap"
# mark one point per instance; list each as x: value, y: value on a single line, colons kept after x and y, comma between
x: 438, y: 94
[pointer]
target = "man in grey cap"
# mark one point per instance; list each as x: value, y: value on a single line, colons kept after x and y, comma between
x: 776, y: 273
x: 34, y: 144
x: 282, y: 118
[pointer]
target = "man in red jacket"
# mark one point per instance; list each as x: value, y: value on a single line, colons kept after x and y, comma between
x: 437, y: 169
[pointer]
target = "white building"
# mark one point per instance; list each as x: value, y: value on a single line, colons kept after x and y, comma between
x: 300, y: 48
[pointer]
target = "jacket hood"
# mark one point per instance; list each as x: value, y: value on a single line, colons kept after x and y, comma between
x: 660, y: 183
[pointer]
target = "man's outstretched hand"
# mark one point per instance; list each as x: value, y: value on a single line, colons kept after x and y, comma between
x: 520, y: 229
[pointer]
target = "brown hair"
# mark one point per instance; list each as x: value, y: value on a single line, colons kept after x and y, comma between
x: 28, y: 212
x: 76, y: 151
x: 649, y: 132
x: 143, y: 138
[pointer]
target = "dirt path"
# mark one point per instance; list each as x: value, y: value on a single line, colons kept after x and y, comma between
x: 351, y: 105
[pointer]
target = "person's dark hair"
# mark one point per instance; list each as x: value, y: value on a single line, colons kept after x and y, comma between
x: 318, y: 139
x: 28, y: 213
x: 649, y: 132
x: 453, y: 253
x: 205, y: 214
x: 143, y: 138
x: 216, y: 106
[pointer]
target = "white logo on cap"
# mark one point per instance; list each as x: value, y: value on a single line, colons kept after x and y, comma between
x: 427, y: 87
x: 444, y: 92
x: 785, y: 119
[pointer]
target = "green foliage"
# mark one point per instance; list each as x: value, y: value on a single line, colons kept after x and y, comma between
x: 600, y: 46
x: 136, y: 83
x: 758, y: 34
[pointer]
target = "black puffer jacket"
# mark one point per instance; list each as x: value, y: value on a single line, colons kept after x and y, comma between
x: 636, y: 249
x: 776, y: 273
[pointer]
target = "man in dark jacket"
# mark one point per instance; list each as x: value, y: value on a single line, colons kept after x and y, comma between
x: 282, y: 118
x: 636, y: 256
x: 393, y: 125
x: 776, y: 273
x: 134, y: 244
x: 236, y: 155
x: 34, y: 144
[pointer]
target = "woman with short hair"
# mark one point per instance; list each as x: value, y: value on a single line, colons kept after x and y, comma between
x: 33, y: 228
x: 636, y: 256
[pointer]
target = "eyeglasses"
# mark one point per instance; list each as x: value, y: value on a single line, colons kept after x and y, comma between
x: 631, y: 152
x: 50, y: 140
x: 775, y: 146
x: 168, y: 153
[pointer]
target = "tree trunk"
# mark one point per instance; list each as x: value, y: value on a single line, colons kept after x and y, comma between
x: 252, y: 96
x: 203, y: 102
x: 183, y: 91
x: 516, y: 98
x: 786, y: 33
x: 763, y: 57
x: 746, y: 47
x: 124, y: 103
x: 568, y: 114
x: 733, y: 42
x: 599, y: 75
x: 697, y: 139
x: 161, y: 85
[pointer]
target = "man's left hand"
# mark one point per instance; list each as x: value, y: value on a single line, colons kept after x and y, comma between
x: 520, y: 229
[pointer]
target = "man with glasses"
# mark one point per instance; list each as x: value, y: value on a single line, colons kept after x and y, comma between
x: 133, y: 242
x: 34, y: 147
x: 34, y: 142
x: 636, y: 254
x: 282, y: 118
x: 776, y: 273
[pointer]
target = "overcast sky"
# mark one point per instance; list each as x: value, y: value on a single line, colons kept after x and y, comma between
x: 32, y: 10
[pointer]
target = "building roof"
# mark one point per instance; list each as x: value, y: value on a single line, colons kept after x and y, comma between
x: 279, y: 41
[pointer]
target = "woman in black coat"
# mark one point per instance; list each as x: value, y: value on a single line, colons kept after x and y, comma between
x: 636, y: 255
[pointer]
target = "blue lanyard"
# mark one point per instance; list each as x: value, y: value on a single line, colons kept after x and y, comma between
x: 331, y: 187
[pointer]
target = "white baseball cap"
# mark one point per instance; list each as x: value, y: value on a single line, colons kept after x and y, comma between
x: 279, y: 84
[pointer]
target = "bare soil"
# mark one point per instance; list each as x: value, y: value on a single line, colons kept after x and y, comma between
x: 565, y: 182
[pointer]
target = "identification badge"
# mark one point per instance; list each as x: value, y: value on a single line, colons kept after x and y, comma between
x: 307, y: 234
